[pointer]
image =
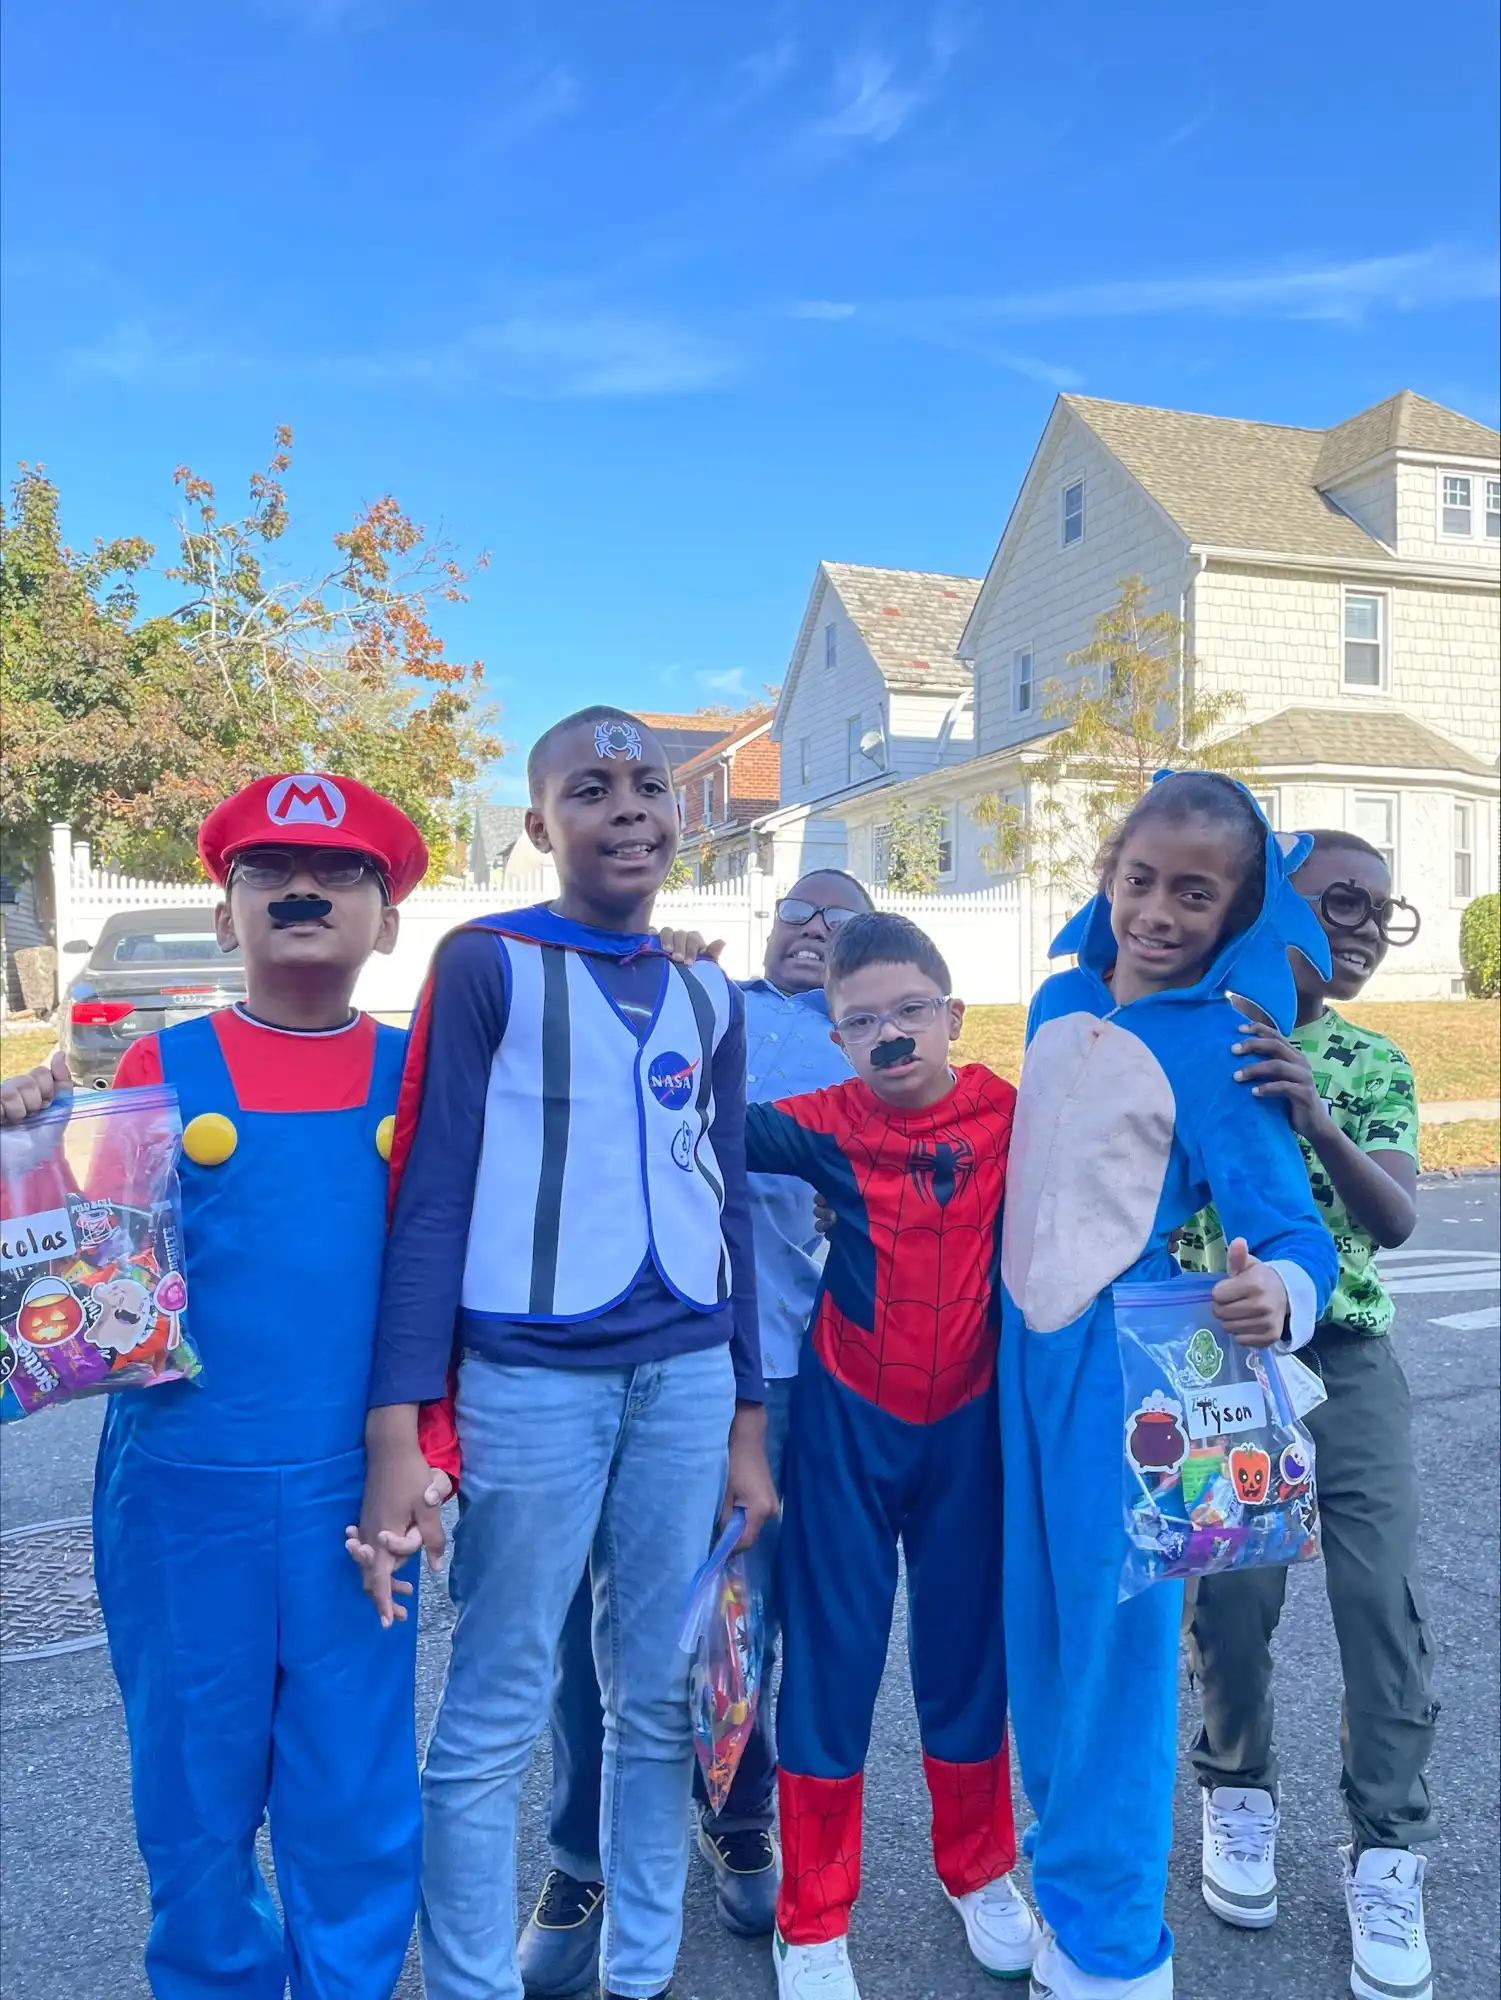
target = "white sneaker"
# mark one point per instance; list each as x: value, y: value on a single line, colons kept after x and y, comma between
x: 1056, y: 1977
x: 1002, y: 1931
x: 813, y: 1971
x: 1384, y: 1901
x: 1238, y: 1870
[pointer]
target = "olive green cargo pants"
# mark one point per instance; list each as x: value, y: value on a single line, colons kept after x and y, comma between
x: 1368, y: 1505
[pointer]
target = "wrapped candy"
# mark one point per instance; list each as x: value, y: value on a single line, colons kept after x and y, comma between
x: 1218, y: 1473
x: 92, y: 1291
x: 723, y: 1631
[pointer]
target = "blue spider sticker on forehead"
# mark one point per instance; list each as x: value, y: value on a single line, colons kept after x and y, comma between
x: 617, y: 739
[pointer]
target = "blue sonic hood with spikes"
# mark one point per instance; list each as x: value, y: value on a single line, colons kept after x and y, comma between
x: 1250, y: 966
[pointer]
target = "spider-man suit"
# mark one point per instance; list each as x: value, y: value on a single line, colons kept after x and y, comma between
x: 895, y: 1439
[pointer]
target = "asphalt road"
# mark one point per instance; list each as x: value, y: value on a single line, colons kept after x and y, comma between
x: 73, y: 1901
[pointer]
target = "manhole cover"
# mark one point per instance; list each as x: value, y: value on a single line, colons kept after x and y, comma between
x: 47, y: 1601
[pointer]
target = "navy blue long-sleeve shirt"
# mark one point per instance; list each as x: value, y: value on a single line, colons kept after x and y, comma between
x: 421, y: 1310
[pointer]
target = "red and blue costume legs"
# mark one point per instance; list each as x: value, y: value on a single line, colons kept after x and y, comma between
x: 859, y: 1482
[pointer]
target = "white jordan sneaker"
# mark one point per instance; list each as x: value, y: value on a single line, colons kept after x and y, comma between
x: 1239, y: 1865
x: 1384, y: 1901
x: 813, y: 1971
x: 1056, y: 1977
x: 1002, y: 1931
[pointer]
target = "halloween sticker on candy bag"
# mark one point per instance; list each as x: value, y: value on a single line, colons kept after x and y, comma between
x: 92, y: 1291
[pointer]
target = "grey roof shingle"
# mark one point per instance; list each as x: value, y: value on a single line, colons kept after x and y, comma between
x: 1228, y: 483
x: 1404, y: 421
x: 1383, y: 739
x: 911, y: 620
x: 497, y: 829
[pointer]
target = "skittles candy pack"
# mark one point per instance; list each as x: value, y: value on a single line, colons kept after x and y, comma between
x: 92, y: 1292
x: 723, y: 1631
x: 1218, y: 1471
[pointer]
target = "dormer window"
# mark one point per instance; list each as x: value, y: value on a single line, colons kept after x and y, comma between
x: 1073, y: 513
x: 830, y: 647
x: 1458, y: 510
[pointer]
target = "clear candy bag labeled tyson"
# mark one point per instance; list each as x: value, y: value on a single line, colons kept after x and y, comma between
x: 1217, y: 1471
x: 93, y: 1295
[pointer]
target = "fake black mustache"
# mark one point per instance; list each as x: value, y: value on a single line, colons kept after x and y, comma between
x: 298, y: 910
x: 884, y: 1054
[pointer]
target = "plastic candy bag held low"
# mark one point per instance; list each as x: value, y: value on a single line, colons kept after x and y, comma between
x: 723, y: 1631
x: 1217, y: 1470
x: 92, y: 1292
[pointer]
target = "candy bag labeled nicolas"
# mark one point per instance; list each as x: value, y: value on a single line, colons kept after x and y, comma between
x: 723, y: 1631
x: 92, y: 1291
x: 1217, y: 1469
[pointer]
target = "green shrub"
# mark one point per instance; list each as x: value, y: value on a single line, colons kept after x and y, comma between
x: 1480, y: 946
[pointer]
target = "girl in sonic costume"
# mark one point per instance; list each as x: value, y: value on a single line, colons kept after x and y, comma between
x: 1128, y: 1111
x: 253, y: 1676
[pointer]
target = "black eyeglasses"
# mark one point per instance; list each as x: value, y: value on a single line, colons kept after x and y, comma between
x: 793, y: 910
x: 1345, y: 906
x: 274, y: 867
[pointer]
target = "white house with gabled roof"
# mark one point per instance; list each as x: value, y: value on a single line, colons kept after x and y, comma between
x: 1344, y: 583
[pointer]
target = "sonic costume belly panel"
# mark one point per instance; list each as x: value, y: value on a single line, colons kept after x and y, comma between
x: 284, y: 1240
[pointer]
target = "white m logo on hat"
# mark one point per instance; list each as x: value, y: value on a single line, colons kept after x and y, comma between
x: 308, y: 800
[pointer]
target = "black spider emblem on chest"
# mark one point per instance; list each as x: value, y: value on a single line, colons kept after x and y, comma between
x: 941, y: 1167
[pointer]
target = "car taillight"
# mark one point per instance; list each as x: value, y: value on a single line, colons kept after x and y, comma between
x: 100, y: 1013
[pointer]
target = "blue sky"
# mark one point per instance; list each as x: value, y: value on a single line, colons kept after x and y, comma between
x: 661, y: 304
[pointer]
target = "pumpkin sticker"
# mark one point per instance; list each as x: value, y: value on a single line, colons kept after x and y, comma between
x: 1155, y: 1438
x: 50, y: 1312
x: 1251, y: 1473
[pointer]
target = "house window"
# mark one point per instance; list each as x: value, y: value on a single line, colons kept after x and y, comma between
x: 708, y: 802
x: 1457, y: 514
x: 1376, y: 821
x: 683, y: 806
x: 1365, y: 639
x: 1021, y: 682
x: 1073, y: 513
x: 947, y: 832
x: 805, y: 760
x: 1493, y: 510
x: 1464, y: 851
x: 1268, y: 803
x: 854, y: 763
x: 830, y: 647
x: 880, y: 854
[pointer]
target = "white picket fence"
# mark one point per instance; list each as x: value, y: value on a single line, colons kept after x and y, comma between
x: 982, y: 934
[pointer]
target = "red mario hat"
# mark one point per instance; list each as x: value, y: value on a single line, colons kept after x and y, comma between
x: 310, y: 809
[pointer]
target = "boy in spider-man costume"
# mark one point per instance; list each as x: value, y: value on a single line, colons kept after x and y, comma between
x: 895, y: 1440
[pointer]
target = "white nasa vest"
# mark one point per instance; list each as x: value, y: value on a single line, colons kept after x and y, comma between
x: 597, y: 1151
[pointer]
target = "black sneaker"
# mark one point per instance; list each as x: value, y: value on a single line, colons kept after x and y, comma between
x: 746, y: 1878
x: 558, y: 1952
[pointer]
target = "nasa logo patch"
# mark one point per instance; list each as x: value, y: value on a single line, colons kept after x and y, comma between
x: 670, y: 1079
x: 308, y: 800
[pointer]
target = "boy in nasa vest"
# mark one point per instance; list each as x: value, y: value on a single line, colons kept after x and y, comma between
x: 252, y: 1677
x: 572, y: 1219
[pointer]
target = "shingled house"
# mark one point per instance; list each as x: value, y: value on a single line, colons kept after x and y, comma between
x: 1345, y: 583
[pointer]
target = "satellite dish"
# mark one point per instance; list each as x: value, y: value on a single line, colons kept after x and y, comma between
x: 873, y: 745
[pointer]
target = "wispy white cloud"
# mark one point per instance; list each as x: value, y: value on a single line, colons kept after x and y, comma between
x: 727, y: 685
x: 138, y: 354
x: 763, y: 69
x: 1197, y: 122
x: 875, y: 95
x: 586, y: 354
x: 823, y: 309
x: 1415, y: 281
x: 556, y: 93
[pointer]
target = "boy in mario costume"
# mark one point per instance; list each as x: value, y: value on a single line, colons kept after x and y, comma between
x: 252, y: 1673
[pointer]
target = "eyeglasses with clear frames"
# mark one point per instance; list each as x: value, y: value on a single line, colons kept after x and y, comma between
x: 859, y: 1030
x: 274, y: 867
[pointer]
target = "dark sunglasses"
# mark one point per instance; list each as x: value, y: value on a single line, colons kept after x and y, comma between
x: 274, y: 867
x: 793, y: 910
x: 1345, y: 906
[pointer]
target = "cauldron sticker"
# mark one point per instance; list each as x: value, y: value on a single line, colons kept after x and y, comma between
x: 1155, y: 1438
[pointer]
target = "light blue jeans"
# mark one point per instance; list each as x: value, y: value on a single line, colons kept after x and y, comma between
x: 622, y: 1469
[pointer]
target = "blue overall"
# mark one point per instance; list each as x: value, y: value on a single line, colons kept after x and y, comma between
x: 254, y: 1672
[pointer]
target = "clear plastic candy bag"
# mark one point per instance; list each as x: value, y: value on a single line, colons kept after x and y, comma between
x: 1218, y: 1473
x: 723, y: 1630
x: 93, y: 1295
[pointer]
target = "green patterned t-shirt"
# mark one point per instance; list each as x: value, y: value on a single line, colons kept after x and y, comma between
x: 1366, y: 1081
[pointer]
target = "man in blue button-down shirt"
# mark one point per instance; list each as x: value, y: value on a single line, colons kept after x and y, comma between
x: 788, y: 1050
